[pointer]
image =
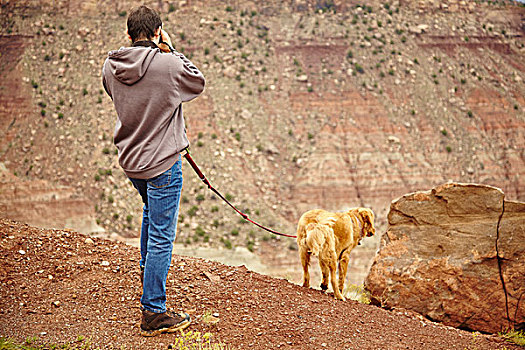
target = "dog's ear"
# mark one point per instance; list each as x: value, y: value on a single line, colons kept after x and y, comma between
x: 368, y: 219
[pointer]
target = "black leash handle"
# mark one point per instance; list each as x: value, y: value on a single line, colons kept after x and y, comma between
x: 244, y: 216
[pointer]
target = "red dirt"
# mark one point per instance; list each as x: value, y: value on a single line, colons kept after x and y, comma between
x: 58, y: 285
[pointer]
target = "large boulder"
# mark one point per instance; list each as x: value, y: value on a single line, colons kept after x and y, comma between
x: 455, y: 254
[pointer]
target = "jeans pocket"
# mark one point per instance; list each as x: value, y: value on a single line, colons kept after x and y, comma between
x: 162, y: 180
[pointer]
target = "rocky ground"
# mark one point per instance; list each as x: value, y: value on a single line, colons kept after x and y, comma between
x: 63, y: 287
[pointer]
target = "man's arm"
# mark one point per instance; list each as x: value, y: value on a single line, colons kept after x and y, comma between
x: 104, y: 81
x: 191, y: 80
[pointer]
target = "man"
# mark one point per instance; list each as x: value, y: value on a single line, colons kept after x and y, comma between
x: 147, y: 87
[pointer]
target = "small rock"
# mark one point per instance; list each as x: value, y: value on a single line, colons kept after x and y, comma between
x: 22, y: 252
x: 104, y: 263
x: 89, y: 241
x: 302, y: 78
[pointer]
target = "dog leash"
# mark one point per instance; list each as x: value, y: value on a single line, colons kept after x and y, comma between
x: 244, y: 216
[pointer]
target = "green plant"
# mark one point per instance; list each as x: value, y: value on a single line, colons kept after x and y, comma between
x: 234, y: 232
x: 192, y: 211
x: 199, y: 231
x: 444, y: 132
x: 449, y: 149
x: 358, y: 293
x: 513, y: 336
x: 122, y: 13
x: 227, y: 243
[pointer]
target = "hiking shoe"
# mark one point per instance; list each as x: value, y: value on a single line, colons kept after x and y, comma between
x: 168, y: 322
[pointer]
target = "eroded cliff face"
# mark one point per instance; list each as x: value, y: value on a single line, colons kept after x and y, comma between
x: 455, y: 255
x: 308, y: 104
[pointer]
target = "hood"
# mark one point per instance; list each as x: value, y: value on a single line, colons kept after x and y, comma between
x: 129, y: 64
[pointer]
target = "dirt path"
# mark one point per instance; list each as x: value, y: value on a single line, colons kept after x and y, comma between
x: 59, y: 285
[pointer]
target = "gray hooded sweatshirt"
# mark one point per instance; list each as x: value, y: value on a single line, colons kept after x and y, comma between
x: 148, y: 87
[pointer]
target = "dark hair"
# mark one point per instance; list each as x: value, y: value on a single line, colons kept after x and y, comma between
x: 142, y: 23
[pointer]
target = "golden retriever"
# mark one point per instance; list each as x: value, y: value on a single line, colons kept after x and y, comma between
x: 331, y: 237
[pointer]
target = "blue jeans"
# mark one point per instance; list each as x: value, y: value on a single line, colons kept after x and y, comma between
x: 161, y: 196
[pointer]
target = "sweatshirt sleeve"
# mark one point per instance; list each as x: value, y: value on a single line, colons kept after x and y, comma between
x: 104, y: 81
x: 191, y: 80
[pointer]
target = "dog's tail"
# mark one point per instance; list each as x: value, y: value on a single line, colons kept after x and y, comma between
x: 317, y: 234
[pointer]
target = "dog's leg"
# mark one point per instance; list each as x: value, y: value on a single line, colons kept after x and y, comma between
x: 333, y: 277
x: 305, y: 261
x: 325, y: 270
x: 343, y: 268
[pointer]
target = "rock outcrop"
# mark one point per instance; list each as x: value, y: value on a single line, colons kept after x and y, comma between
x: 455, y: 254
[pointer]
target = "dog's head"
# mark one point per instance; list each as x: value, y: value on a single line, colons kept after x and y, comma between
x: 367, y: 216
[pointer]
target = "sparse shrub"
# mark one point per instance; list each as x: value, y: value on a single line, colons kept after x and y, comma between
x: 227, y: 243
x: 43, y: 112
x: 229, y: 9
x: 84, y: 92
x: 359, y: 68
x: 206, y: 51
x: 470, y: 115
x: 199, y: 231
x: 122, y: 13
x: 228, y: 197
x: 200, y: 198
x: 449, y: 149
x: 214, y: 209
x: 357, y: 293
x: 171, y: 8
x: 234, y: 232
x: 513, y: 336
x: 444, y: 132
x: 129, y: 218
x: 192, y: 211
x: 105, y: 150
x: 110, y: 199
